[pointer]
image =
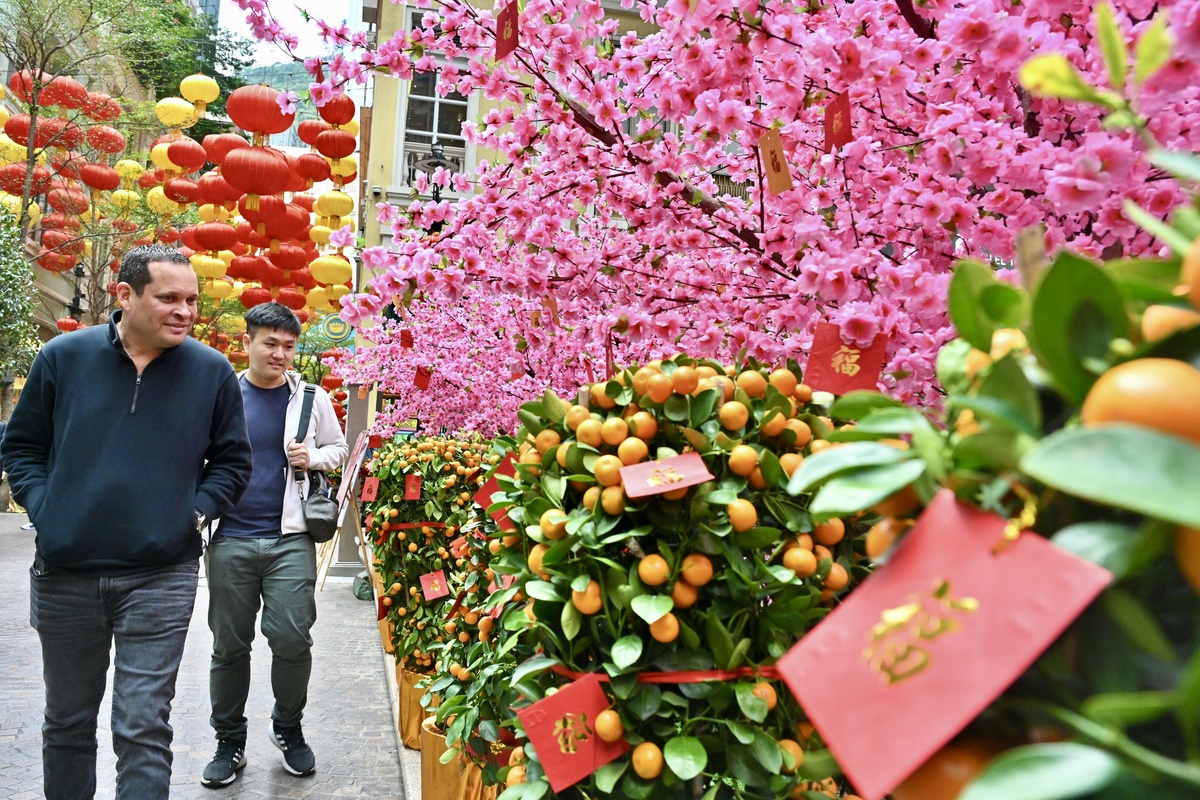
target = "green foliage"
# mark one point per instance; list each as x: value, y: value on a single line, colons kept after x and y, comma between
x: 18, y: 336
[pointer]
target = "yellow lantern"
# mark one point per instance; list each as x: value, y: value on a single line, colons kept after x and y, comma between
x: 213, y: 213
x: 129, y: 171
x: 87, y: 250
x: 218, y: 290
x: 335, y: 204
x: 351, y: 126
x: 343, y: 167
x: 207, y: 266
x: 161, y: 160
x: 335, y: 292
x: 226, y: 256
x: 176, y: 113
x: 125, y: 200
x: 10, y: 151
x: 319, y: 234
x: 161, y: 204
x: 35, y: 213
x: 330, y: 270
x: 316, y: 299
x: 199, y: 90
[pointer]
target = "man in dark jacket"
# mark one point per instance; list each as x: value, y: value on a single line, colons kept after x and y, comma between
x: 126, y: 440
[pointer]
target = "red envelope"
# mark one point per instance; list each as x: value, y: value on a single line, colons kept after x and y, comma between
x: 458, y: 548
x: 484, y: 496
x: 370, y: 518
x: 837, y: 367
x: 421, y: 379
x: 779, y: 178
x: 412, y: 487
x: 507, y: 35
x: 406, y: 339
x: 374, y: 441
x: 370, y: 489
x: 433, y: 585
x: 838, y: 128
x: 560, y: 728
x: 381, y: 609
x: 933, y: 637
x: 664, y: 475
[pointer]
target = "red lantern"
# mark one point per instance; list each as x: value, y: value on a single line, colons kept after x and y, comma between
x: 331, y: 382
x: 303, y: 278
x: 150, y: 178
x: 291, y: 298
x: 214, y: 236
x: 68, y: 201
x: 340, y: 395
x: 216, y: 190
x: 218, y: 145
x: 188, y: 237
x: 257, y: 216
x: 60, y: 132
x: 286, y: 225
x: 68, y: 163
x: 55, y: 262
x: 68, y: 324
x: 182, y: 190
x: 18, y: 127
x: 99, y: 177
x: 337, y: 110
x: 256, y: 171
x: 301, y: 315
x: 62, y: 242
x: 308, y: 130
x: 296, y: 183
x: 125, y: 226
x: 238, y: 357
x: 105, y: 138
x: 254, y: 109
x: 247, y: 268
x: 254, y: 295
x: 187, y: 153
x: 101, y: 107
x: 290, y: 257
x: 64, y: 92
x: 168, y: 235
x: 22, y: 82
x: 305, y: 201
x: 336, y: 144
x: 57, y: 220
x: 12, y: 179
x: 248, y: 236
x: 313, y: 169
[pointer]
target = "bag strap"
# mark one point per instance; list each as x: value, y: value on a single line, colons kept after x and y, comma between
x: 310, y: 392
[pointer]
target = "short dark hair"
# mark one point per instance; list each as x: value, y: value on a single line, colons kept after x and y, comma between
x: 135, y: 266
x: 273, y: 317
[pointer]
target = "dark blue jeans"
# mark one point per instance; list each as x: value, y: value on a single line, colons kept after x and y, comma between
x: 281, y: 573
x: 77, y: 618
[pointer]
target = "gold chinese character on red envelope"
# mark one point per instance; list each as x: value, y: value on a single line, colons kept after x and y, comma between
x: 779, y: 177
x: 837, y: 366
x: 560, y: 728
x: 507, y: 35
x: 412, y: 487
x: 931, y: 638
x: 434, y: 585
x: 370, y: 489
x: 664, y: 475
x: 838, y: 130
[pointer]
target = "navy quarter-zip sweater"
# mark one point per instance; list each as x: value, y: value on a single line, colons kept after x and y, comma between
x: 111, y: 465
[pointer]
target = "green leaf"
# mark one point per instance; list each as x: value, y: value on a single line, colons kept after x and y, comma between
x: 859, y: 403
x: 1006, y: 382
x: 532, y: 666
x: 859, y: 490
x: 974, y: 324
x: 543, y: 590
x: 753, y: 706
x: 837, y: 460
x: 818, y: 765
x: 531, y: 421
x: 626, y: 651
x: 652, y: 607
x: 1153, y: 48
x: 702, y: 406
x: 676, y: 408
x: 1172, y: 238
x: 1123, y: 466
x: 743, y: 733
x: 1052, y: 75
x: 755, y: 538
x: 1122, y: 709
x: 1137, y: 623
x: 719, y: 640
x: 996, y: 450
x: 1077, y: 312
x: 1185, y: 166
x: 721, y: 497
x: 1043, y: 772
x: 772, y: 470
x: 1113, y: 44
x: 1108, y: 544
x: 571, y: 621
x: 769, y: 753
x: 579, y: 583
x: 607, y: 776
x: 686, y: 756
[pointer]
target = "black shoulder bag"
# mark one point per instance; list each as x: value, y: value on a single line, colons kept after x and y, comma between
x: 320, y: 509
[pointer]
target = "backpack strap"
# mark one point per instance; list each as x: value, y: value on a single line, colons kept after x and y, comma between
x: 310, y: 392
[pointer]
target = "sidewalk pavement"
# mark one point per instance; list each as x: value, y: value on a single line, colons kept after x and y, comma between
x: 348, y: 721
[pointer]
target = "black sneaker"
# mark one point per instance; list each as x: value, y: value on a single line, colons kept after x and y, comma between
x: 298, y: 757
x: 230, y: 757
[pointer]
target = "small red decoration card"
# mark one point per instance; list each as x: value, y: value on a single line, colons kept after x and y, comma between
x: 406, y: 339
x: 507, y: 36
x: 458, y: 548
x: 370, y: 489
x: 433, y: 585
x: 484, y: 496
x: 412, y: 487
x: 421, y: 379
x: 933, y: 637
x: 664, y: 475
x: 381, y: 609
x: 839, y: 367
x: 560, y: 728
x: 779, y: 179
x: 374, y: 441
x: 838, y: 129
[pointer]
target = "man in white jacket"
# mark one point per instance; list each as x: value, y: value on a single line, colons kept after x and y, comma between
x: 260, y: 550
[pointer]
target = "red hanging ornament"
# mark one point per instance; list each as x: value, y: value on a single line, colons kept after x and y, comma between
x: 308, y: 130
x: 105, y: 138
x: 336, y: 144
x: 101, y: 107
x: 337, y: 110
x: 187, y: 153
x: 99, y: 177
x: 256, y: 171
x: 254, y: 109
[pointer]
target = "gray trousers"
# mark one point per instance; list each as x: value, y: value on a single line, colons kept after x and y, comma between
x: 282, y: 572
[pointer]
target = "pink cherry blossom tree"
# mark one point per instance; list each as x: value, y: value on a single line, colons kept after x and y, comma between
x: 631, y: 196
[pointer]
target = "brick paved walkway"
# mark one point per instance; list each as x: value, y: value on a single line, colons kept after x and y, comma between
x: 348, y: 721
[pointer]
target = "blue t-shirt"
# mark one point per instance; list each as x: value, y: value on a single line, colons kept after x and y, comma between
x: 259, y: 513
